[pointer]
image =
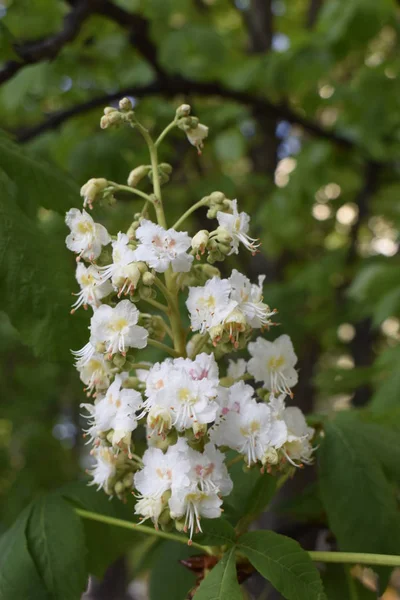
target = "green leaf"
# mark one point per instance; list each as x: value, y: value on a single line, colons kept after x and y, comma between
x: 252, y: 492
x: 215, y: 532
x: 36, y: 275
x: 57, y: 545
x: 221, y: 582
x: 359, y: 499
x: 284, y: 563
x: 305, y: 505
x: 169, y: 579
x: 37, y: 181
x: 18, y: 575
x: 105, y: 543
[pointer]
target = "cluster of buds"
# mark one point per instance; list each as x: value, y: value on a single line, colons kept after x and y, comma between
x: 118, y: 116
x: 191, y: 405
x: 195, y: 131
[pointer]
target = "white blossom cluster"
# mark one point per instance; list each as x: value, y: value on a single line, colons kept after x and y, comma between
x: 195, y: 405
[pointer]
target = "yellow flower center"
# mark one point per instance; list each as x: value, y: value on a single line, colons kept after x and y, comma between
x: 85, y: 227
x: 275, y: 363
x: 119, y: 324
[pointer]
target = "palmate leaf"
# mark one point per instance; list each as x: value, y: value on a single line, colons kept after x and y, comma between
x: 284, y: 563
x: 356, y: 462
x: 215, y: 532
x: 169, y: 579
x: 221, y: 583
x: 36, y: 275
x: 105, y: 543
x: 37, y: 182
x: 57, y: 545
x: 19, y: 577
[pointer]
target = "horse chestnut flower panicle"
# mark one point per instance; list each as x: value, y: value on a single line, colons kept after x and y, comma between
x: 194, y: 405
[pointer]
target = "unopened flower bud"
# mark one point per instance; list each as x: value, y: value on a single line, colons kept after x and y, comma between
x: 200, y: 241
x: 183, y: 111
x: 217, y: 197
x: 148, y: 278
x: 137, y: 174
x: 119, y: 360
x: 223, y: 236
x: 166, y: 168
x: 92, y: 190
x: 119, y: 488
x: 125, y: 104
x: 145, y: 292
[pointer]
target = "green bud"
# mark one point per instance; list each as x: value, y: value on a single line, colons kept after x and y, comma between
x: 125, y: 104
x: 166, y: 168
x: 119, y: 360
x: 137, y: 174
x: 217, y: 197
x: 128, y: 481
x: 183, y: 111
x: 145, y: 292
x: 148, y: 278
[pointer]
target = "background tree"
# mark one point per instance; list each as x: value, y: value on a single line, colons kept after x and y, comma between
x: 302, y: 101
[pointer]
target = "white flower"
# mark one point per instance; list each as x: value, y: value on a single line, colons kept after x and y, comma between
x: 237, y: 225
x: 249, y: 298
x: 116, y: 411
x: 95, y: 373
x: 298, y: 446
x: 209, y: 305
x: 186, y: 388
x: 236, y: 368
x: 123, y: 272
x: 86, y: 237
x: 197, y: 135
x: 192, y: 503
x: 273, y: 364
x: 117, y: 328
x: 104, y: 468
x: 251, y: 432
x: 160, y: 248
x: 236, y: 398
x: 155, y: 479
x: 93, y: 289
x: 84, y: 355
x: 196, y: 491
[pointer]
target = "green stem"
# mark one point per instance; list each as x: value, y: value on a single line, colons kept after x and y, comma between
x: 165, y: 291
x: 140, y: 528
x: 174, y: 317
x: 190, y: 210
x: 125, y: 188
x: 157, y: 305
x: 140, y: 366
x: 163, y: 347
x: 199, y: 345
x: 235, y: 460
x: 156, y: 179
x: 356, y: 558
x: 164, y: 133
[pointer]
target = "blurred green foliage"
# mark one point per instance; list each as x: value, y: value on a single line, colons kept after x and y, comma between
x: 302, y: 98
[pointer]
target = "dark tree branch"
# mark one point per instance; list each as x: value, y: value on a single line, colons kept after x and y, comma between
x: 258, y: 19
x: 138, y: 28
x: 173, y: 86
x: 313, y: 12
x: 48, y: 48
